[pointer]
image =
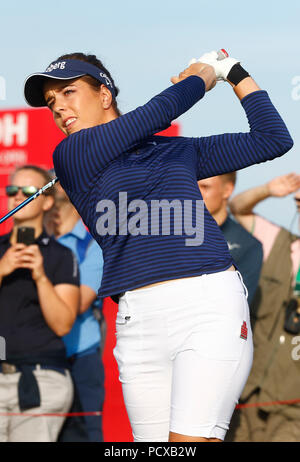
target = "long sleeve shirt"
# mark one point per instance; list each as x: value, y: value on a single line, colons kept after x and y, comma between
x: 138, y: 193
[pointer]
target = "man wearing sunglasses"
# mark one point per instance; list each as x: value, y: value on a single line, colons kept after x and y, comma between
x: 39, y: 298
x: 275, y: 374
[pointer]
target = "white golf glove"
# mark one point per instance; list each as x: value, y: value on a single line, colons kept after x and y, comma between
x: 222, y: 66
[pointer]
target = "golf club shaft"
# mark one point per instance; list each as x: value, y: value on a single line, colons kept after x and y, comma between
x: 31, y: 198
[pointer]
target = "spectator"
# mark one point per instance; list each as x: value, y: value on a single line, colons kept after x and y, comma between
x: 83, y: 341
x: 244, y: 248
x: 275, y: 374
x: 39, y: 298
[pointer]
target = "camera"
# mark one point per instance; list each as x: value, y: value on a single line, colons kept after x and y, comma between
x: 292, y: 317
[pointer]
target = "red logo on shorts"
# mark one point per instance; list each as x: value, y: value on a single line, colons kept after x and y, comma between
x: 244, y: 331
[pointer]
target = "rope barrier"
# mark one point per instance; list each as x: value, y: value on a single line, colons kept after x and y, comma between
x: 268, y: 403
x: 98, y: 413
x: 50, y: 414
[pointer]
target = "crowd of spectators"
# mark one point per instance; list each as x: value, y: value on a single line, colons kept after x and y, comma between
x: 50, y: 312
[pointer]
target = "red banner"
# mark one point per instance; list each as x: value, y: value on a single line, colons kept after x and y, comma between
x: 29, y: 136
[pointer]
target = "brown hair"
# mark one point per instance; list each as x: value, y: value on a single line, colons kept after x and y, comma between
x: 229, y: 177
x: 92, y: 59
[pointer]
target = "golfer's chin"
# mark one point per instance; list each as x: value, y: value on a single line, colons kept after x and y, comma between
x: 72, y: 129
x: 76, y: 127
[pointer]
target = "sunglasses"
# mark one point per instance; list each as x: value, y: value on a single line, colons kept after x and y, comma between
x: 27, y: 191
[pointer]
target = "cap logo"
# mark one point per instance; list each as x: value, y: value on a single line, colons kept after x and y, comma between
x: 107, y: 79
x: 59, y: 65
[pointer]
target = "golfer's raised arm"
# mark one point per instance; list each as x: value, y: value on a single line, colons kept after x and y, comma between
x: 267, y: 139
x: 103, y: 143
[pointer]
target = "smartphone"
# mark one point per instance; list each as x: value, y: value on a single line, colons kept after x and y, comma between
x: 25, y: 235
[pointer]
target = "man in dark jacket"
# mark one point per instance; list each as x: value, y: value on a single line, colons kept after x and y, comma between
x: 244, y: 248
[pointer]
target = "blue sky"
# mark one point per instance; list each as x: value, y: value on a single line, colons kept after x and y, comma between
x: 144, y: 43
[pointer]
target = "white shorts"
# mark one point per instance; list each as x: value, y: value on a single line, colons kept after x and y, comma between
x: 184, y: 351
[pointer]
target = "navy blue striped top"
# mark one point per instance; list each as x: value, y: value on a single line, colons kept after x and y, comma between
x: 138, y: 193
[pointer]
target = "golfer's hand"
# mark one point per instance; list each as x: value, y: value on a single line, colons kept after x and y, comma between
x: 205, y: 71
x: 11, y: 260
x: 31, y: 258
x: 283, y: 185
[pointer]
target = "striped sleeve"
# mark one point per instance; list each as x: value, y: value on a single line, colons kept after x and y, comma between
x: 80, y: 158
x: 268, y: 138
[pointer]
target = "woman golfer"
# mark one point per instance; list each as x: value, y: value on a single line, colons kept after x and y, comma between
x: 184, y: 343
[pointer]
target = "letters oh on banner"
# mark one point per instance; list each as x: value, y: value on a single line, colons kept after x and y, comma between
x: 27, y: 136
